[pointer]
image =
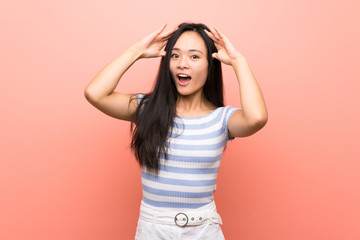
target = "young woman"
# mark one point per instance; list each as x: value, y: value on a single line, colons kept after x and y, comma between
x: 180, y: 129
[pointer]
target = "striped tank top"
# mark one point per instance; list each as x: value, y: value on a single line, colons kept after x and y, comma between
x: 187, y: 178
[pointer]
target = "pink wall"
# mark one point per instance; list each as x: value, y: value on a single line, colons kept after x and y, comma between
x: 66, y: 171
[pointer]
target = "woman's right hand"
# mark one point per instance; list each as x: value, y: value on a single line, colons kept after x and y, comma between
x: 152, y: 45
x: 100, y: 92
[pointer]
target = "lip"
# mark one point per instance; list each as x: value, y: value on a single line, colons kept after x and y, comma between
x: 183, y: 83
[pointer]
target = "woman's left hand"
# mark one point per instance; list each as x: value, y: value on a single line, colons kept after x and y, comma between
x: 226, y: 51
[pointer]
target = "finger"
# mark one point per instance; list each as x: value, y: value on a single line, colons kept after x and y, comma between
x: 163, y: 44
x: 220, y: 42
x: 168, y: 34
x: 162, y: 53
x: 214, y: 32
x: 157, y: 32
x: 224, y: 41
x: 218, y: 39
x: 162, y: 28
x: 218, y: 46
x: 215, y: 55
x: 213, y: 38
x: 210, y: 35
x: 221, y: 36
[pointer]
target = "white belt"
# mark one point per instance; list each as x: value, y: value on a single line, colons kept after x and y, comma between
x: 181, y: 219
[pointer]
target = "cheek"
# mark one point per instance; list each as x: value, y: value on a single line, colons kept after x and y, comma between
x: 203, y: 70
x: 172, y: 68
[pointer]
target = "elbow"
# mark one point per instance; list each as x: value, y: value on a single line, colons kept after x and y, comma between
x: 259, y: 121
x: 90, y: 96
x: 262, y: 122
x: 263, y: 118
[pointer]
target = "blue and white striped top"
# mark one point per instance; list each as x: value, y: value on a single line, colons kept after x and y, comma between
x: 187, y: 178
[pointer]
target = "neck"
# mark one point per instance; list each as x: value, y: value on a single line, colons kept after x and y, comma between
x: 193, y: 105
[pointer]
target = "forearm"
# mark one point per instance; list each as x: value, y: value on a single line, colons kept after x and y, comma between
x: 251, y: 98
x: 105, y: 81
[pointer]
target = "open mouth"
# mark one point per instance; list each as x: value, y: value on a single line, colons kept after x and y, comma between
x: 183, y: 79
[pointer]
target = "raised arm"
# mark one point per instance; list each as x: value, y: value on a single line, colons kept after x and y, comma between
x: 253, y: 115
x: 100, y: 91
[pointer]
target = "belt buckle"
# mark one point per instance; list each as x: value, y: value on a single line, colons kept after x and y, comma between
x: 183, y: 218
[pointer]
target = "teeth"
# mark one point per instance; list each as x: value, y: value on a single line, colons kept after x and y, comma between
x: 183, y: 75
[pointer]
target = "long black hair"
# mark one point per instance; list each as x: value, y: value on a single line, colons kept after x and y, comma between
x: 154, y: 117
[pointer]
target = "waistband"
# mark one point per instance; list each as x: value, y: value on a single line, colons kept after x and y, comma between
x: 193, y: 217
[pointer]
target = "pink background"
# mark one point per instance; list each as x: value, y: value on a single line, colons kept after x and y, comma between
x: 66, y: 171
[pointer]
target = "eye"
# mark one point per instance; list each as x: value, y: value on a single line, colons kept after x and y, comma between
x: 174, y: 55
x: 194, y: 57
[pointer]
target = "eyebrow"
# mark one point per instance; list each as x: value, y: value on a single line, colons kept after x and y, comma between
x: 190, y: 50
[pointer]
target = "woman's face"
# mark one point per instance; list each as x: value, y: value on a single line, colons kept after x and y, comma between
x: 189, y: 64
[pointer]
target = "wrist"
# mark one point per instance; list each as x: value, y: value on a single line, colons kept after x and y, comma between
x: 136, y: 51
x: 238, y: 61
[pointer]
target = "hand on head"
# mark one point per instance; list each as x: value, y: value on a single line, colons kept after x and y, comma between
x: 152, y: 45
x: 227, y: 53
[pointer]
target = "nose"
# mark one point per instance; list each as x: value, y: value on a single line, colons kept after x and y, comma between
x: 183, y: 63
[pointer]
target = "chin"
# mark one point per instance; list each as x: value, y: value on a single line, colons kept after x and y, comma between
x: 188, y: 93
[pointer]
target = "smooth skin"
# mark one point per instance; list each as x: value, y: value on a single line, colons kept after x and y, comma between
x: 100, y: 91
x: 251, y: 118
x: 189, y: 56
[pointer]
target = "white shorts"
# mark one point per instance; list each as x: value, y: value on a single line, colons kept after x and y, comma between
x: 202, y: 223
